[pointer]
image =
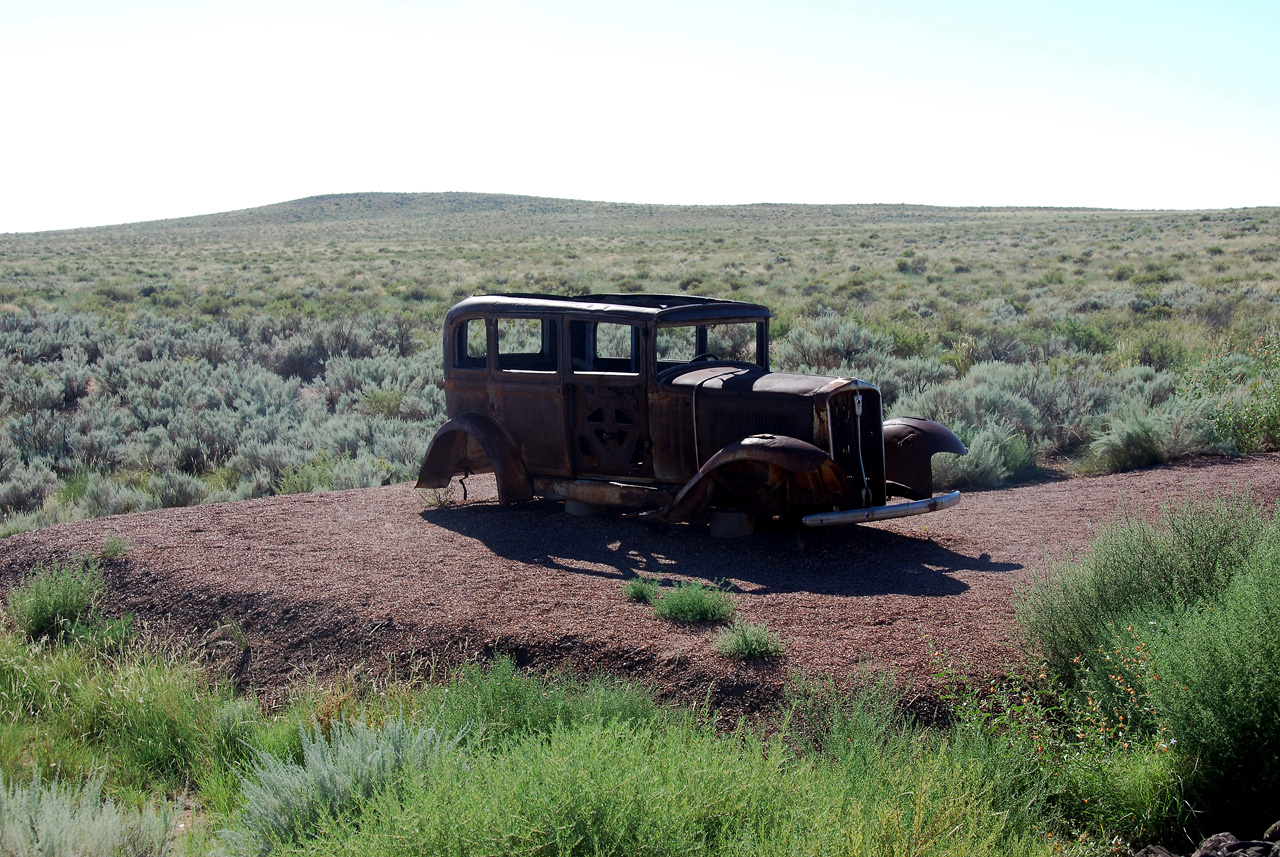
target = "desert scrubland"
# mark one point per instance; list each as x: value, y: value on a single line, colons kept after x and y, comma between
x: 1127, y: 696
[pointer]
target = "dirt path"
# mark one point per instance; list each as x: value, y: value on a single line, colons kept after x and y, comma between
x: 323, y: 582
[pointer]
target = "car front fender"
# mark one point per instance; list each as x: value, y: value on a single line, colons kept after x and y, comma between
x: 909, y: 446
x: 754, y: 470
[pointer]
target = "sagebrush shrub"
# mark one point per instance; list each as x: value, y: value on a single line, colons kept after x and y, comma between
x: 284, y: 801
x: 990, y: 393
x: 994, y: 455
x: 179, y: 401
x: 24, y: 488
x: 57, y: 818
x: 828, y: 341
x: 174, y: 488
x: 1131, y: 441
x: 360, y: 472
x: 104, y: 496
x: 9, y: 456
x: 273, y: 457
x: 1190, y: 429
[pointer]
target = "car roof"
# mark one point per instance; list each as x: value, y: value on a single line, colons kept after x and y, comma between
x: 633, y: 307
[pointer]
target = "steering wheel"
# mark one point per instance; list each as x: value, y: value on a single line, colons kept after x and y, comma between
x: 672, y: 371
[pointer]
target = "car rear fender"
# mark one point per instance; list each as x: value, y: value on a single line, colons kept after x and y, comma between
x: 909, y: 446
x: 476, y: 443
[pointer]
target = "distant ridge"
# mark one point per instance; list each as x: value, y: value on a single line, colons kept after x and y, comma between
x: 450, y: 206
x: 391, y: 215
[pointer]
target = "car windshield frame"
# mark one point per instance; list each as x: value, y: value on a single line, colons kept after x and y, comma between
x: 705, y: 341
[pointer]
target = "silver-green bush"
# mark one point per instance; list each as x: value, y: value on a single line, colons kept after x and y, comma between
x: 39, y: 818
x: 174, y: 488
x: 283, y: 801
x: 105, y: 496
x: 24, y: 488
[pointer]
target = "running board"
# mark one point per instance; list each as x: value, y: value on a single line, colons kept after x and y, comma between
x: 882, y: 513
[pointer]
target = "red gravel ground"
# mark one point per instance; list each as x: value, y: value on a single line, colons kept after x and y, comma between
x: 377, y: 579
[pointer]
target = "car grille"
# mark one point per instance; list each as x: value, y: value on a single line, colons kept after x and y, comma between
x: 858, y: 444
x: 789, y: 422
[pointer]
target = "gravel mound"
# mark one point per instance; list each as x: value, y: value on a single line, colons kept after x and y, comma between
x: 380, y: 580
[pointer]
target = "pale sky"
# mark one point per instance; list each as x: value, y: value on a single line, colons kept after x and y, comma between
x: 133, y: 110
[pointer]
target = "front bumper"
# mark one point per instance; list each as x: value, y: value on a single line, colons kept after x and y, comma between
x: 882, y: 513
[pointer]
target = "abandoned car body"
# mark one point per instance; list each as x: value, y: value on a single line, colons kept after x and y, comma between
x: 665, y: 407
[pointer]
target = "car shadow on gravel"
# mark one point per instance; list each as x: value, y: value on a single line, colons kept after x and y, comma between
x: 852, y: 561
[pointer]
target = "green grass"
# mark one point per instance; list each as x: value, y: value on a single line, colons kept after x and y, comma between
x: 314, y: 475
x: 672, y: 784
x: 641, y: 588
x: 559, y: 766
x: 113, y: 548
x: 511, y: 761
x: 599, y: 764
x: 748, y: 640
x: 51, y: 600
x: 695, y: 602
x: 142, y: 718
x: 1181, y: 561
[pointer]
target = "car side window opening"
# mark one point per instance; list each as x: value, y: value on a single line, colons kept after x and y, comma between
x: 735, y: 341
x: 527, y: 345
x: 470, y: 345
x: 604, y: 347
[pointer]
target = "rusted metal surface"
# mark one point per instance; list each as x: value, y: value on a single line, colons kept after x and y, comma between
x: 476, y: 443
x: 609, y: 426
x: 762, y: 474
x: 599, y: 492
x: 622, y: 402
x: 909, y: 444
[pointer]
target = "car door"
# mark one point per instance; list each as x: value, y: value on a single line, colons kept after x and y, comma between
x: 606, y: 403
x: 526, y: 392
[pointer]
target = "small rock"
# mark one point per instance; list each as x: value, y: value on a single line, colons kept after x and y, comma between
x: 1273, y: 833
x: 1215, y: 845
x: 1155, y: 851
x: 1248, y: 848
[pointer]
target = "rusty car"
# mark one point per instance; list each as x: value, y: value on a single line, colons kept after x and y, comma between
x: 665, y: 407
